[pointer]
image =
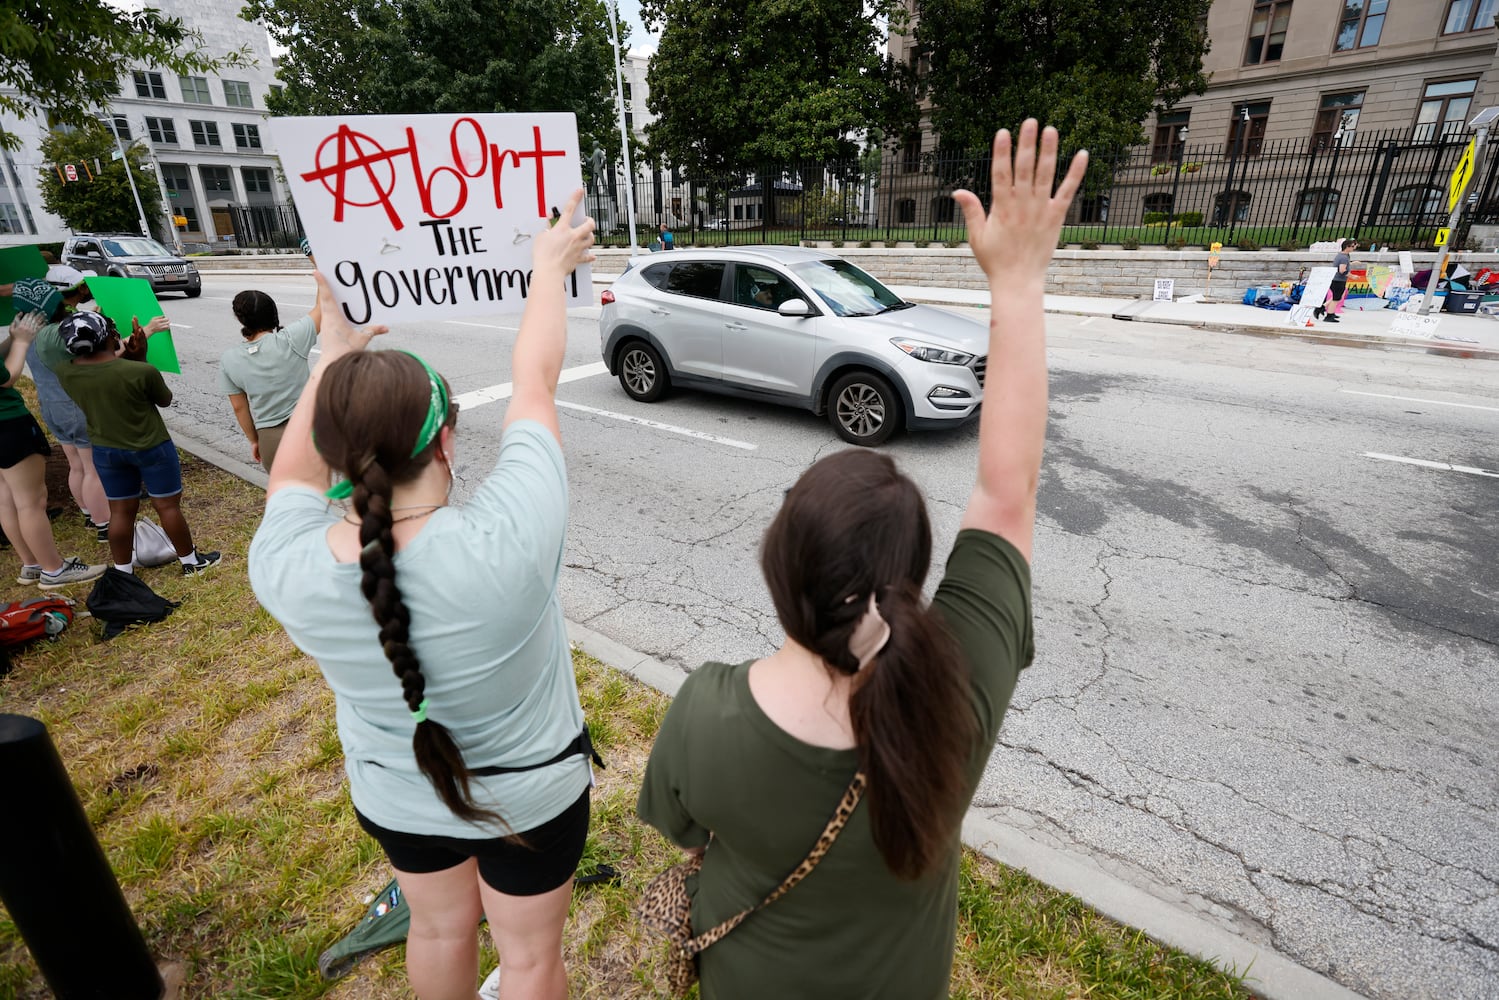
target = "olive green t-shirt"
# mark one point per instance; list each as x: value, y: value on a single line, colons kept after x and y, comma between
x: 119, y: 398
x: 851, y: 928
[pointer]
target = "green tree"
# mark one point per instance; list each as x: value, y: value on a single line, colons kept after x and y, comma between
x: 1094, y: 70
x: 66, y: 58
x: 104, y: 203
x: 417, y: 56
x: 737, y: 85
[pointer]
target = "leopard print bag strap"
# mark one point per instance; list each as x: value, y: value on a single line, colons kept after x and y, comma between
x: 835, y: 826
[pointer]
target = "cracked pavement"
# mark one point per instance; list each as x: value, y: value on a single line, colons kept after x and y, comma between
x: 1265, y: 686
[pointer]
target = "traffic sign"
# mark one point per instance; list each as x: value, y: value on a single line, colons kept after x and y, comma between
x: 179, y: 220
x: 71, y: 171
x: 1461, y: 175
x: 1443, y: 235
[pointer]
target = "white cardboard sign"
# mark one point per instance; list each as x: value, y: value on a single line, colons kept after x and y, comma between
x: 422, y: 217
x: 1407, y: 264
x: 1318, y: 284
x: 1164, y: 289
x: 1415, y: 325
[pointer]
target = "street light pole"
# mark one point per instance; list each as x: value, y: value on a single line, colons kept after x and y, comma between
x: 1479, y: 142
x: 1176, y: 177
x: 624, y: 133
x: 140, y: 211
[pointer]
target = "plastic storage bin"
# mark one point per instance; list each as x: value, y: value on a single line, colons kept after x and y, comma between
x: 1462, y: 302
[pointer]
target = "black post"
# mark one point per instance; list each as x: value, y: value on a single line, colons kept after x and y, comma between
x: 1176, y: 177
x: 57, y: 885
x: 1233, y: 196
x: 1306, y: 186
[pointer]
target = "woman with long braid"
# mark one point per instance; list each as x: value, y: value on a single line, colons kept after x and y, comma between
x: 471, y: 768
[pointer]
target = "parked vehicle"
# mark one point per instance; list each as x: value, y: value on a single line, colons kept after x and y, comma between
x: 795, y: 326
x: 128, y: 256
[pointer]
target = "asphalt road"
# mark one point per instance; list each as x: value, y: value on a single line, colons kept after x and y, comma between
x: 1266, y: 673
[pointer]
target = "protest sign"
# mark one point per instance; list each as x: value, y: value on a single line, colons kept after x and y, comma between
x: 17, y: 263
x: 1165, y: 288
x: 1318, y: 284
x: 422, y: 217
x: 1413, y: 325
x: 122, y: 299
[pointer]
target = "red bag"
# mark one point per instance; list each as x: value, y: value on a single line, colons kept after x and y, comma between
x: 40, y: 617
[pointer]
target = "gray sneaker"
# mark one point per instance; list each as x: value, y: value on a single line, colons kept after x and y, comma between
x: 74, y: 570
x: 29, y: 575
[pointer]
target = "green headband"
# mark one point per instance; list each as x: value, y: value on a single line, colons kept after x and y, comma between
x: 437, y: 416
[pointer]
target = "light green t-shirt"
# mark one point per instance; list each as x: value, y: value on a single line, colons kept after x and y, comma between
x: 721, y: 766
x: 480, y: 582
x: 270, y: 371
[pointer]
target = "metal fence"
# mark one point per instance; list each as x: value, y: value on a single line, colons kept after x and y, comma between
x: 1383, y: 187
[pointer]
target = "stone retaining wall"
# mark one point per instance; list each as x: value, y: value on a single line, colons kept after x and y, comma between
x: 1109, y: 273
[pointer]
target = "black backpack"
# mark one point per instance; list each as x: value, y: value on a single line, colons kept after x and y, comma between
x: 121, y: 599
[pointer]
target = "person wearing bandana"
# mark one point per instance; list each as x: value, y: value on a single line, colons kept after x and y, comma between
x: 471, y: 765
x: 876, y: 697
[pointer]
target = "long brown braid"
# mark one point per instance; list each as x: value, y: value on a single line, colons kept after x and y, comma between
x: 370, y: 406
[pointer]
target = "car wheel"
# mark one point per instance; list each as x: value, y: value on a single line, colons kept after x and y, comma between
x: 193, y: 293
x: 642, y: 372
x: 864, y: 409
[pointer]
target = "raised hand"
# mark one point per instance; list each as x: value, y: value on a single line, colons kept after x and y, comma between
x: 564, y: 246
x: 1015, y: 241
x: 336, y: 334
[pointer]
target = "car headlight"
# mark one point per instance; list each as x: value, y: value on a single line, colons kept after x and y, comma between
x: 930, y: 352
x: 136, y: 269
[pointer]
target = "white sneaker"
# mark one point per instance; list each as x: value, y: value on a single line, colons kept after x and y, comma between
x: 491, y: 988
x: 73, y: 570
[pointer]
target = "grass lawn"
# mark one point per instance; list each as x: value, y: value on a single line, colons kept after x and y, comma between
x: 203, y: 749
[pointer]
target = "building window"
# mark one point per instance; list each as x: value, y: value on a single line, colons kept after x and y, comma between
x: 206, y: 134
x: 162, y: 131
x: 1317, y: 205
x: 179, y: 185
x: 1338, y: 113
x: 905, y: 210
x: 1444, y: 109
x: 1168, y: 136
x: 628, y: 100
x: 1248, y: 136
x: 216, y: 180
x: 943, y: 209
x: 1158, y: 203
x: 910, y: 155
x: 149, y: 85
x: 119, y: 127
x: 1267, y: 31
x: 1418, y: 199
x: 257, y: 180
x: 1094, y: 209
x: 237, y: 94
x: 195, y: 90
x: 1231, y: 205
x: 1468, y: 15
x: 246, y: 136
x: 1361, y: 24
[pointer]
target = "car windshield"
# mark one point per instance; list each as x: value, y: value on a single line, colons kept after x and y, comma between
x: 845, y: 289
x: 138, y: 247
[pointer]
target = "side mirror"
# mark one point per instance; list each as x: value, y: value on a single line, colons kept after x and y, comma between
x: 794, y: 307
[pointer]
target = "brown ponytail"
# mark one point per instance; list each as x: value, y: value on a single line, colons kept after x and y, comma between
x: 370, y: 407
x: 854, y: 525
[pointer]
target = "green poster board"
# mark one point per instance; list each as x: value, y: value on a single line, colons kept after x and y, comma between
x: 17, y: 263
x: 123, y: 298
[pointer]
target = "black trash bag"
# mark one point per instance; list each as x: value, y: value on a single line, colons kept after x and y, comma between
x: 121, y: 599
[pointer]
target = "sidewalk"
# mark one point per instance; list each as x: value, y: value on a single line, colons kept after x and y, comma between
x: 1467, y: 336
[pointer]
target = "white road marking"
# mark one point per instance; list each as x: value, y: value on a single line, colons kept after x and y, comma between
x: 495, y: 393
x: 1413, y: 399
x: 1087, y: 321
x: 179, y: 326
x: 482, y: 326
x: 657, y: 425
x: 1423, y: 463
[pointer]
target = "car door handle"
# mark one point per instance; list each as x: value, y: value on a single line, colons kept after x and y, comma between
x: 736, y: 326
x: 657, y: 310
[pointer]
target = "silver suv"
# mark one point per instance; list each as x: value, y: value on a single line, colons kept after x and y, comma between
x: 125, y: 256
x: 796, y: 326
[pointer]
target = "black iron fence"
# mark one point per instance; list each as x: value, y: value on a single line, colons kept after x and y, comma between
x: 1385, y: 187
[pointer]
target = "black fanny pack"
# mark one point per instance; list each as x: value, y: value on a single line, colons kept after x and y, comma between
x: 581, y: 746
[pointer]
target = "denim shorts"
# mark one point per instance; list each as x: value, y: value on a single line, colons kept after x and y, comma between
x: 122, y: 472
x: 65, y: 420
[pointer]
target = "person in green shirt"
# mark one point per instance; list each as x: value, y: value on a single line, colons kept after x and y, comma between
x: 752, y: 758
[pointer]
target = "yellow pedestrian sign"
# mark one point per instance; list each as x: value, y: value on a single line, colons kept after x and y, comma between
x: 1443, y: 235
x: 1461, y: 175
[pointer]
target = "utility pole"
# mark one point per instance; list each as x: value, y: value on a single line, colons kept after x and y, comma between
x: 624, y: 133
x: 1457, y: 196
x: 140, y: 211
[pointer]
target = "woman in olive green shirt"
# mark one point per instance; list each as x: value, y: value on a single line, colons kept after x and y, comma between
x: 752, y: 758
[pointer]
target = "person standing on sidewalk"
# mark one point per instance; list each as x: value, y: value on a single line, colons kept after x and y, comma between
x: 873, y: 683
x: 121, y: 400
x: 23, y: 457
x: 1342, y: 263
x: 264, y: 376
x: 470, y: 768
